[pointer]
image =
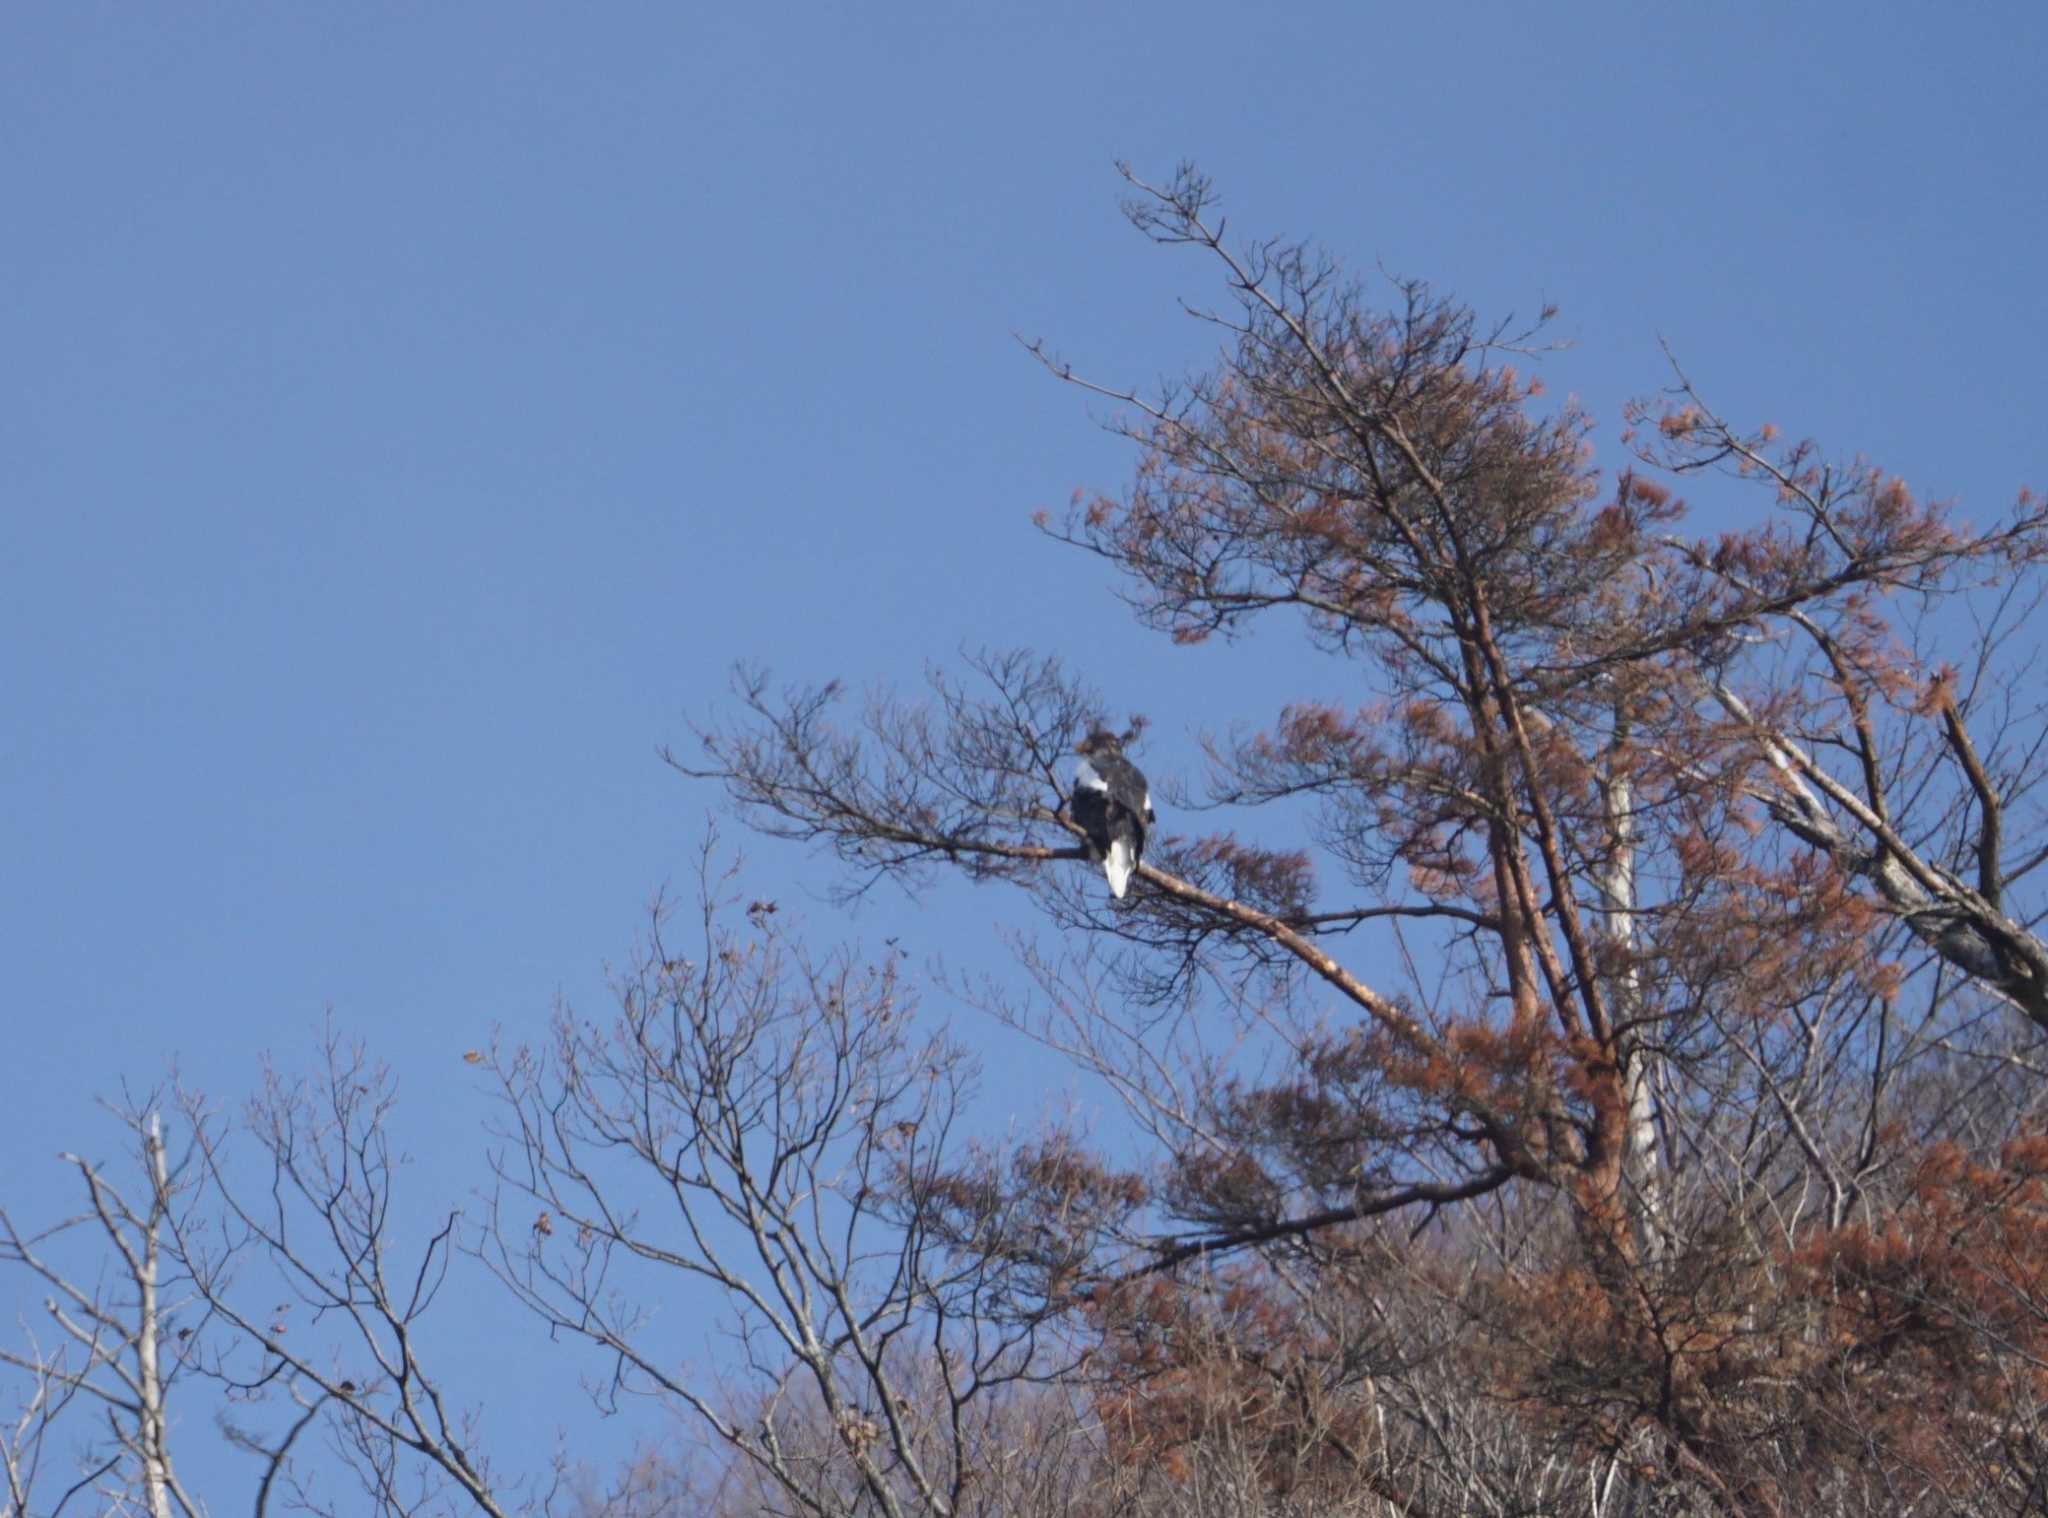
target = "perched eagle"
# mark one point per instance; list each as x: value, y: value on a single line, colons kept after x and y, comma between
x: 1113, y: 805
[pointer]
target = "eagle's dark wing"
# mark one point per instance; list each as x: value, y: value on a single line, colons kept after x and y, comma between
x: 1127, y: 787
x: 1091, y: 809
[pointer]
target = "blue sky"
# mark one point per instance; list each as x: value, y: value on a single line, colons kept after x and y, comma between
x: 411, y: 411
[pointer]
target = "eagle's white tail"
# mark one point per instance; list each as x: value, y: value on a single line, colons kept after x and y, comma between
x: 1117, y: 865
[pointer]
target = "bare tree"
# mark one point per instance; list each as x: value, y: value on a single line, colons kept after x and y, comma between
x: 769, y: 1126
x: 302, y: 1197
x: 254, y: 1278
x: 111, y: 1351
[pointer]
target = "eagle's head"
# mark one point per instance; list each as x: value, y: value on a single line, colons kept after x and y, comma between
x: 1102, y: 741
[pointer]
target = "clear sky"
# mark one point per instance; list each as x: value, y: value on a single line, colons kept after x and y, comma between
x: 411, y: 411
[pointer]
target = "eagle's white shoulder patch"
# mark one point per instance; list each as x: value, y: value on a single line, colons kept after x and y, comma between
x: 1088, y: 777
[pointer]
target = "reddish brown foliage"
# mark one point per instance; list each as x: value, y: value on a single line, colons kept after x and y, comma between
x: 1611, y: 909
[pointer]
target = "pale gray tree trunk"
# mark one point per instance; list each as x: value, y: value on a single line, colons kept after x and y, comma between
x: 1618, y: 892
x: 150, y: 1436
